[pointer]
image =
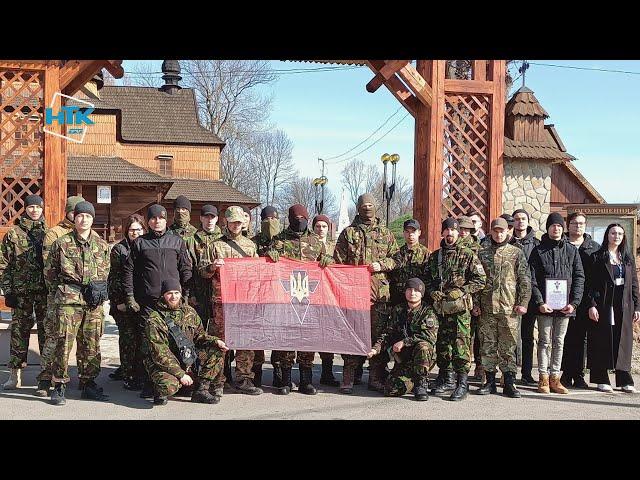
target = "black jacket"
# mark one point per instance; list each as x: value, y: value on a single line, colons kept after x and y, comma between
x: 528, y: 243
x: 556, y: 259
x: 155, y: 258
x: 587, y: 249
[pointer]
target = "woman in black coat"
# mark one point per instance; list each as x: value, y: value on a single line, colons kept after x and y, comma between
x: 613, y: 283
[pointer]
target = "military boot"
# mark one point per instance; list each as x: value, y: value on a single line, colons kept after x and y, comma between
x: 202, y: 394
x: 277, y: 375
x: 348, y: 372
x: 306, y: 376
x: 43, y: 388
x: 445, y: 382
x: 91, y: 391
x: 133, y: 384
x: 286, y: 387
x: 490, y: 384
x: 227, y: 368
x: 510, y: 389
x: 160, y: 400
x: 246, y: 386
x: 147, y: 390
x: 421, y: 388
x: 57, y: 396
x: 376, y: 378
x: 14, y: 381
x: 357, y: 374
x: 257, y: 375
x: 327, y: 378
x: 117, y: 374
x: 460, y: 393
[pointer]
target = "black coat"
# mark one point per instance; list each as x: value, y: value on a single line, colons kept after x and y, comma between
x: 599, y: 338
x: 556, y: 259
x: 155, y: 258
x: 528, y: 243
x: 587, y: 249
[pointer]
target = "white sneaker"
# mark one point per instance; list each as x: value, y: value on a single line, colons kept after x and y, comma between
x: 605, y: 387
x: 629, y: 389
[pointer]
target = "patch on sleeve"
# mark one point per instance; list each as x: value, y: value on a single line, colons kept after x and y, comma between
x: 480, y: 269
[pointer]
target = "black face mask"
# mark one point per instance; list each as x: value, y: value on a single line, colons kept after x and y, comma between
x: 298, y: 224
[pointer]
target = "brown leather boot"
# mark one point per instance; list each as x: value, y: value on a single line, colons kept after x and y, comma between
x: 556, y: 386
x: 543, y: 383
x: 348, y: 372
x: 376, y: 378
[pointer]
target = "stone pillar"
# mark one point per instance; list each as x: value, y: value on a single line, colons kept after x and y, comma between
x: 527, y: 185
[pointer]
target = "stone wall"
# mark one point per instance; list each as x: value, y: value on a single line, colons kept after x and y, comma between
x: 527, y: 185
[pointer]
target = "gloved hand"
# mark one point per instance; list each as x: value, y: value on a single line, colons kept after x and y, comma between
x: 132, y: 305
x: 437, y: 295
x: 326, y: 260
x: 10, y: 300
x: 455, y: 294
x: 273, y: 255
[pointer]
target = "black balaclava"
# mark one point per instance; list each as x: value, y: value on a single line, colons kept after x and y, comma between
x: 296, y: 224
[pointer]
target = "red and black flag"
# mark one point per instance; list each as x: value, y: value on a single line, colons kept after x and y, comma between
x: 292, y: 305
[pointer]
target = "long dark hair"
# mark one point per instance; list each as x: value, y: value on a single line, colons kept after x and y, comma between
x: 622, y: 249
x: 131, y: 219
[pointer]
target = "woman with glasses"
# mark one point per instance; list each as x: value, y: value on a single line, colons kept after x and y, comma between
x: 131, y: 369
x: 615, y: 307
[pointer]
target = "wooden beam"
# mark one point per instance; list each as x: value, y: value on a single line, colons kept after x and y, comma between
x: 386, y: 72
x: 417, y: 84
x: 496, y: 146
x: 397, y: 88
x: 77, y: 78
x: 480, y: 70
x: 54, y: 183
x: 468, y: 86
x: 114, y: 67
x: 421, y: 155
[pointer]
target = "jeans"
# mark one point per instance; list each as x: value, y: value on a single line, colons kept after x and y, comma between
x: 551, y: 332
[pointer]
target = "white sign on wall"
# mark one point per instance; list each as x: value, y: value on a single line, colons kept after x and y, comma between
x: 104, y: 193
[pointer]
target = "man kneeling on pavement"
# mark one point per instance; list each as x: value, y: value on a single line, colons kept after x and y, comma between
x: 176, y: 336
x: 409, y: 337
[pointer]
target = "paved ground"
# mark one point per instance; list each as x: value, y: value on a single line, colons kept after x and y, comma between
x: 328, y: 404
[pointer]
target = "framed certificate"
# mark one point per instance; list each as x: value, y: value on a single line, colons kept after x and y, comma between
x: 557, y: 293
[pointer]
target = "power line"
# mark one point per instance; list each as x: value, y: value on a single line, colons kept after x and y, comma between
x: 290, y: 71
x: 372, y: 134
x: 591, y: 69
x: 367, y: 148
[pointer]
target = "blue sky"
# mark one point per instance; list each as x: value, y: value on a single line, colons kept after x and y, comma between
x: 597, y: 115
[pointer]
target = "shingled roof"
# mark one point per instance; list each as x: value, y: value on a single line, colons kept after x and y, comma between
x: 214, y: 191
x: 151, y: 115
x: 109, y: 170
x: 524, y: 102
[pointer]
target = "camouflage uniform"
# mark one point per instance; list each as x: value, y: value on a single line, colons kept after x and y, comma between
x: 50, y: 319
x: 508, y: 285
x: 21, y: 267
x: 418, y: 330
x: 329, y: 247
x: 130, y: 329
x: 307, y: 247
x: 74, y: 262
x: 473, y: 243
x: 408, y: 263
x: 363, y: 244
x: 163, y: 363
x: 201, y: 293
x: 221, y: 249
x: 183, y: 232
x: 461, y: 270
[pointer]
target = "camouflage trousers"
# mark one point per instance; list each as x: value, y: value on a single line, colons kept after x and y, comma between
x: 413, y: 361
x: 498, y: 341
x: 211, y: 366
x: 380, y: 313
x: 287, y: 359
x: 453, y: 346
x: 22, y: 322
x: 50, y: 339
x: 86, y: 325
x: 130, y: 333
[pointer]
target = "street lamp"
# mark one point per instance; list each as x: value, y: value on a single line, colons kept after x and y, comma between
x: 389, y: 189
x: 319, y: 182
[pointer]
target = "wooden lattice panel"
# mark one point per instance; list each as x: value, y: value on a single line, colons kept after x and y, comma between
x: 465, y: 180
x: 21, y: 142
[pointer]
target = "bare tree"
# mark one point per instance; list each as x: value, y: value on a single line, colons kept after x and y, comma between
x: 359, y: 178
x: 143, y: 74
x: 301, y: 190
x: 272, y: 164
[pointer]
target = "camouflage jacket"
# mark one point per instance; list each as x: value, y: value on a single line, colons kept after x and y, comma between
x: 470, y: 241
x: 362, y: 244
x: 21, y: 261
x: 73, y: 262
x: 119, y: 254
x: 454, y: 267
x: 305, y: 246
x: 221, y: 249
x: 408, y: 263
x: 329, y: 247
x: 195, y: 245
x: 420, y: 325
x: 54, y: 233
x: 508, y: 279
x: 162, y: 348
x: 182, y: 232
x: 262, y: 244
